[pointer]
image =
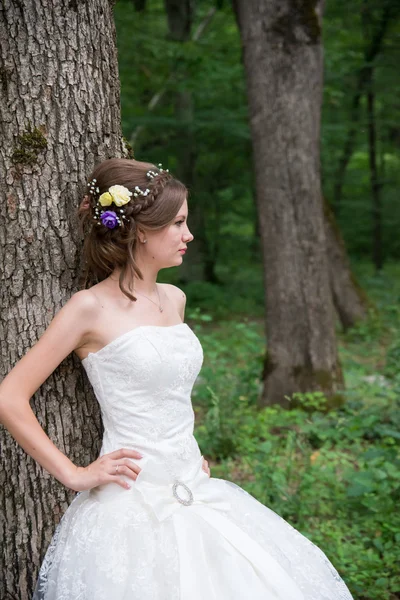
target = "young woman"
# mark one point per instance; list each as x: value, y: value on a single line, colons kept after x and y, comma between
x: 149, y: 523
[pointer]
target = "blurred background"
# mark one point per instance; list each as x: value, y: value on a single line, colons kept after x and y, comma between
x: 332, y: 471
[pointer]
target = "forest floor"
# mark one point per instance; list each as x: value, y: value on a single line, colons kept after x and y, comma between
x: 334, y: 474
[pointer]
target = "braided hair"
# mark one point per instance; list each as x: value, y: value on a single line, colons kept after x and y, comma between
x: 105, y: 249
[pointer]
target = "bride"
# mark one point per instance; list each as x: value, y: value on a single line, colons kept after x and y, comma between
x: 149, y: 522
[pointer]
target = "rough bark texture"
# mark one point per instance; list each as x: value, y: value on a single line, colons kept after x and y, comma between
x: 350, y: 300
x: 60, y: 113
x: 282, y: 55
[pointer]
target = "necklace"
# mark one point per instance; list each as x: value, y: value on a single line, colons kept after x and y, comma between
x: 160, y: 308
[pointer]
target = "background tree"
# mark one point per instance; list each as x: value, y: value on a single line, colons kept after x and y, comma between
x: 283, y: 62
x: 180, y: 16
x: 352, y: 54
x: 333, y: 474
x: 222, y: 169
x: 60, y: 112
x: 139, y: 5
x: 372, y: 46
x: 350, y: 300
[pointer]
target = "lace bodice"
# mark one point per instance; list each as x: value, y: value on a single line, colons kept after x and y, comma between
x: 143, y: 381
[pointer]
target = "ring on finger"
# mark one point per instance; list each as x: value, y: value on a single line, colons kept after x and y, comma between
x: 116, y: 469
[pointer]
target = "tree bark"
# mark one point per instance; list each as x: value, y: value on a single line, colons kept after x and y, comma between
x: 60, y: 113
x: 350, y: 300
x: 282, y: 54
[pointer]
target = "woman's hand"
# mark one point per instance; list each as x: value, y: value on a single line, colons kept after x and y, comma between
x: 206, y: 468
x: 104, y: 470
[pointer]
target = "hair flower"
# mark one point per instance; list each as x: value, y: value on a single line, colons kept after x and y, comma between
x: 105, y: 199
x: 120, y: 194
x: 109, y: 219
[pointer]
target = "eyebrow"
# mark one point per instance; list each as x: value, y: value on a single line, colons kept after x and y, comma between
x: 181, y: 217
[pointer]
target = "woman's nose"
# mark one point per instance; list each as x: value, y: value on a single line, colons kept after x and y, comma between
x: 188, y: 236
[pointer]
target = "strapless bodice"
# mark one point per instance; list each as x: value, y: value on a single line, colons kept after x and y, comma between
x: 143, y: 381
x: 176, y: 532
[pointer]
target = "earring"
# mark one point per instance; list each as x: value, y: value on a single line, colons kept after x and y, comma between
x: 144, y: 241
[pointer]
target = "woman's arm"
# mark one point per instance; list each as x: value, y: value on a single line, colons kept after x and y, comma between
x: 66, y: 332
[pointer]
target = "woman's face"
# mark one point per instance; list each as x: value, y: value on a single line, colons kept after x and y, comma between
x: 164, y: 247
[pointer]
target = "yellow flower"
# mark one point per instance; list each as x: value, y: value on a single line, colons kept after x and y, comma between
x: 105, y: 199
x: 120, y: 194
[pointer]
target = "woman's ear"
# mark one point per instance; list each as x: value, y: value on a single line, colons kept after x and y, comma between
x: 85, y: 203
x: 141, y: 236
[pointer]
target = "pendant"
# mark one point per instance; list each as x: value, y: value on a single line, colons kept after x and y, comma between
x: 161, y: 309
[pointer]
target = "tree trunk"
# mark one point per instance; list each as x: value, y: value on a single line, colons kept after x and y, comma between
x: 180, y: 15
x: 180, y: 18
x: 373, y: 46
x: 368, y: 23
x: 139, y: 5
x: 60, y: 114
x: 350, y: 300
x: 195, y: 270
x: 375, y: 184
x: 283, y: 62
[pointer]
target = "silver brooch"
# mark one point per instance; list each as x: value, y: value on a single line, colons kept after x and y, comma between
x: 189, y: 500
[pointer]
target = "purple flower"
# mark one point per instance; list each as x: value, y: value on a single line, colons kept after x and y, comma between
x: 109, y: 219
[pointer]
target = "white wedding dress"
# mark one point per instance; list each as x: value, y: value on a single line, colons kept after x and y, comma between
x: 177, y: 534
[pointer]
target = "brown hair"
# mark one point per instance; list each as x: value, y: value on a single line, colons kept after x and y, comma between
x: 105, y: 249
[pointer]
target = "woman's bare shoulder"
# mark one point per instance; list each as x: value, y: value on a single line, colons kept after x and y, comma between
x: 174, y: 290
x: 84, y: 301
x: 178, y: 297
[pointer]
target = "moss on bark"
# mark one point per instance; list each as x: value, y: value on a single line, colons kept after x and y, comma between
x: 128, y: 148
x: 301, y: 14
x: 28, y: 147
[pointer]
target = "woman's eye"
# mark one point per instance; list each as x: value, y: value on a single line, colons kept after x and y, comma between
x: 179, y: 222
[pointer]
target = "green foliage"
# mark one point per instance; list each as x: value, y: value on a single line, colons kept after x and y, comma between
x: 346, y: 51
x: 309, y: 401
x: 334, y: 473
x: 231, y: 298
x: 393, y: 359
x: 200, y: 125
